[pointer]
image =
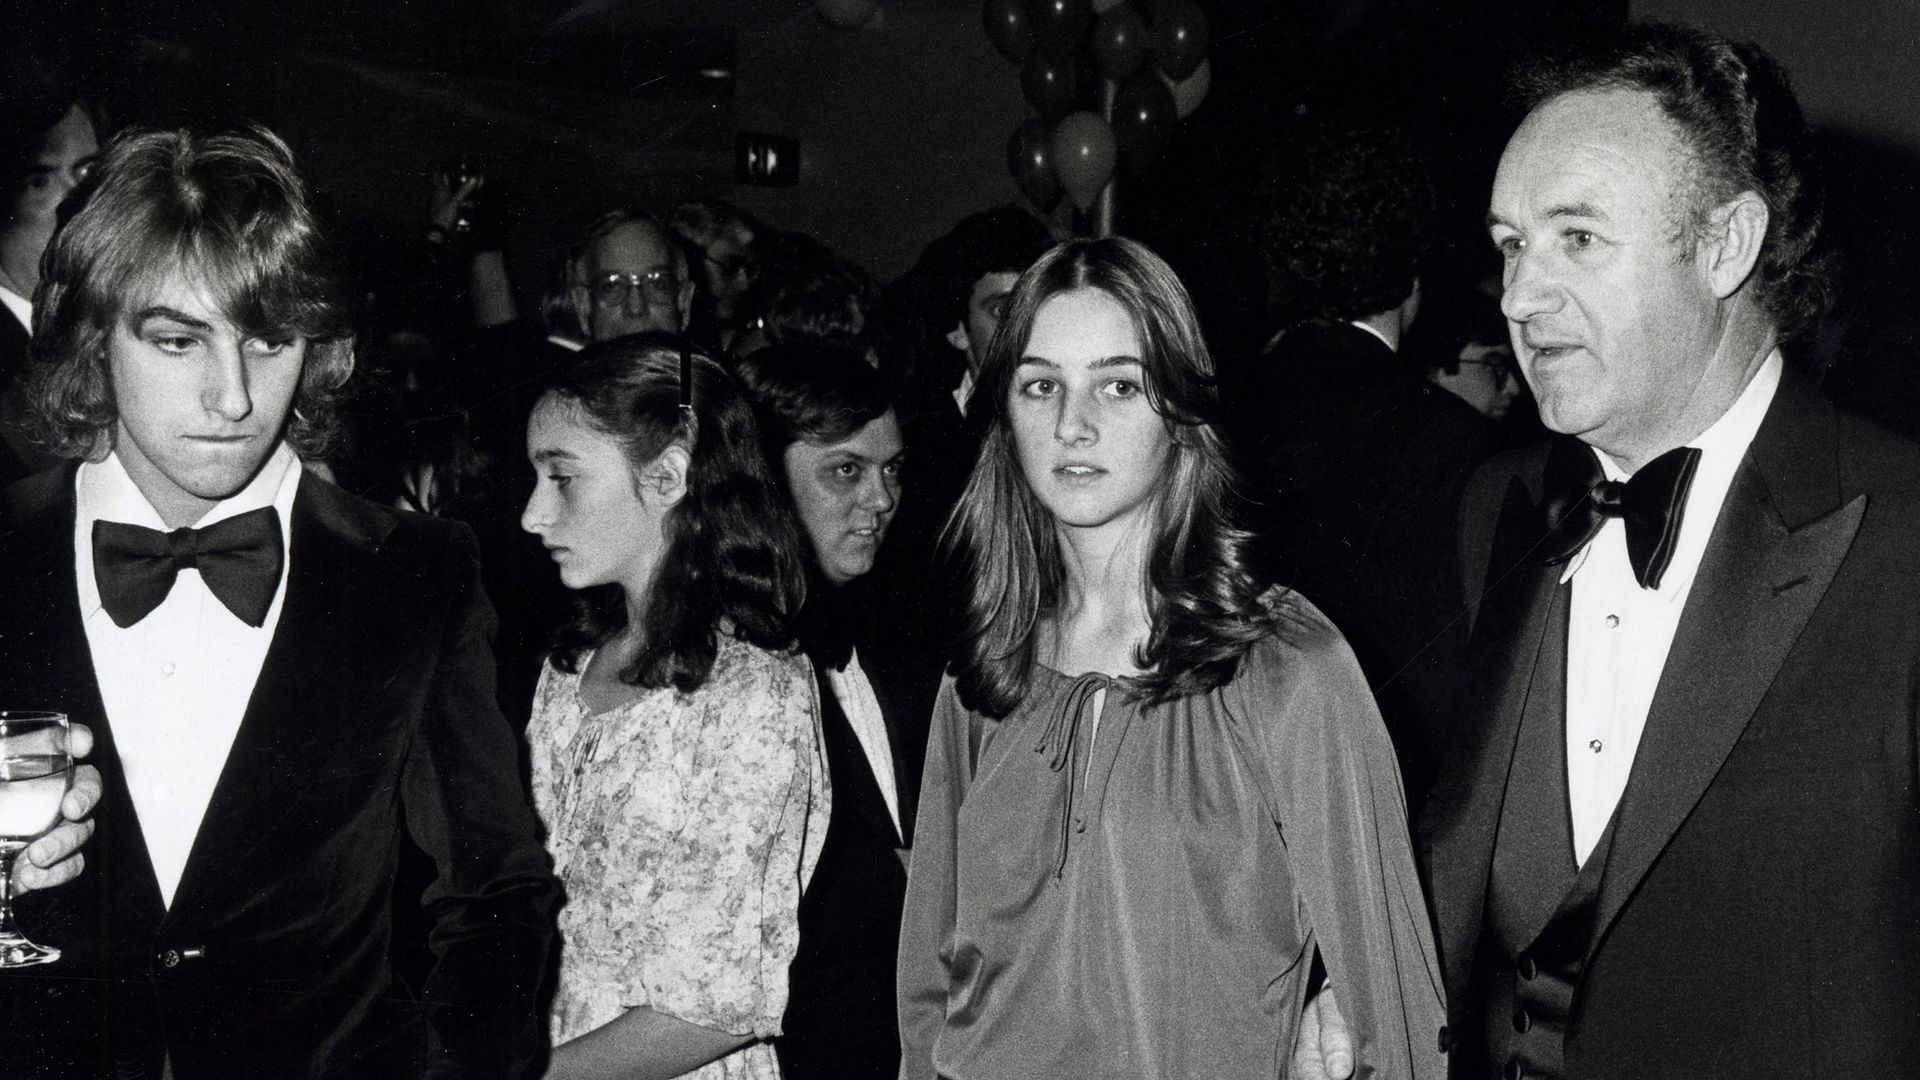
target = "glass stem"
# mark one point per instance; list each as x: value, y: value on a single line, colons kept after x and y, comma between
x: 7, y: 855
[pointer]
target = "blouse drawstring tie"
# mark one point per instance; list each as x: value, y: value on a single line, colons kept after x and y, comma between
x: 1062, y: 729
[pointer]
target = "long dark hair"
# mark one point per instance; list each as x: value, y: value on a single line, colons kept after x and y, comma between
x: 1204, y: 598
x: 733, y: 553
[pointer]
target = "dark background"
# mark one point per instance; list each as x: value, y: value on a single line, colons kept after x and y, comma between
x: 577, y: 105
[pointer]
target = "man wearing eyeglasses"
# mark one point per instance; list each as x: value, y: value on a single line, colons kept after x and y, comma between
x: 631, y: 277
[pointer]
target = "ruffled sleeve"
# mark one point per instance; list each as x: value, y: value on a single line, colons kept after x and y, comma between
x: 1342, y: 816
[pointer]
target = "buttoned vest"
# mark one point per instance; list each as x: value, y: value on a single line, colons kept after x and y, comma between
x: 1541, y: 905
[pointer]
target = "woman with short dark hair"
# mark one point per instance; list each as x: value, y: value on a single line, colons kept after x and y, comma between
x: 1157, y: 789
x: 833, y: 441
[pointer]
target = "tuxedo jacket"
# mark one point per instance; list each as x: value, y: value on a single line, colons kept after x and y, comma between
x: 1361, y: 464
x: 1759, y: 914
x: 842, y: 1019
x: 373, y: 722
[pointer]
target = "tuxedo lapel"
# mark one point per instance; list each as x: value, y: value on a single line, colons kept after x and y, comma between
x: 48, y: 664
x: 300, y: 697
x: 1780, y: 539
x: 1510, y: 641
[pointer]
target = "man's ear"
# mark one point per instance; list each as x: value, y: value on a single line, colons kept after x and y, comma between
x: 663, y: 483
x: 958, y: 338
x: 1736, y: 231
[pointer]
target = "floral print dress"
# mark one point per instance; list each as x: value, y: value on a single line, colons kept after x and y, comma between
x: 684, y: 827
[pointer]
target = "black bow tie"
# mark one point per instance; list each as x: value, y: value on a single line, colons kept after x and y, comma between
x: 1580, y: 499
x: 238, y: 558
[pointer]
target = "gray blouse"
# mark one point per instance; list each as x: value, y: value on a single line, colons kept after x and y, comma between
x: 1142, y: 895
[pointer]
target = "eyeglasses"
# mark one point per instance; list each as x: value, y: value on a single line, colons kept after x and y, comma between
x: 616, y: 287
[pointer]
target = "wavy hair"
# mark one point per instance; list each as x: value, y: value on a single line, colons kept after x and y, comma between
x: 1737, y: 115
x: 1203, y: 596
x: 733, y: 555
x: 227, y: 210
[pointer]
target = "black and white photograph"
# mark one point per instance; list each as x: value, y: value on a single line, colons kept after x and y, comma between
x: 960, y: 540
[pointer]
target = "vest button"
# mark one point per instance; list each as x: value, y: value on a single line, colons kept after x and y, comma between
x: 1513, y: 1071
x: 1446, y: 1043
x: 170, y: 958
x: 1522, y: 1020
x: 1528, y: 969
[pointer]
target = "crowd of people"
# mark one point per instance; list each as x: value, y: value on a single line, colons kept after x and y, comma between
x: 728, y: 667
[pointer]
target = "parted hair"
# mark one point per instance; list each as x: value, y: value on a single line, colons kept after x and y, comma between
x: 733, y: 560
x: 1203, y: 596
x: 229, y: 211
x: 1737, y: 115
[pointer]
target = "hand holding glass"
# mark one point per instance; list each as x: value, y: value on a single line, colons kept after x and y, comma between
x: 36, y: 766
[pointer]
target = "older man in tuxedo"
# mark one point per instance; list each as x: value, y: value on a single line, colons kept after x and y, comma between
x: 1684, y: 839
x: 285, y: 683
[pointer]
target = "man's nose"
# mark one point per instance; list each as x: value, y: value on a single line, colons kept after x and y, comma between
x: 224, y: 390
x: 1530, y: 289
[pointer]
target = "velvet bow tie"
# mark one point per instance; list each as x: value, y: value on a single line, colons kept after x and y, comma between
x: 238, y: 558
x: 1580, y: 499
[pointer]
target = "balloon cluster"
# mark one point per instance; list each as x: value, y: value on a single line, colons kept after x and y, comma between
x: 1155, y: 58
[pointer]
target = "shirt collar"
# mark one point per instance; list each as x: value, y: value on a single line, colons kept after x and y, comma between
x: 1722, y: 447
x: 1375, y: 331
x: 20, y: 306
x: 103, y: 491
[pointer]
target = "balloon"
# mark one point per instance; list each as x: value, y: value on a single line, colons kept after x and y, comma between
x: 1009, y: 28
x: 1189, y: 92
x: 1083, y: 156
x: 848, y: 13
x: 1179, y: 37
x: 1143, y: 116
x: 1060, y: 26
x: 1101, y: 7
x: 1120, y: 42
x: 1049, y: 86
x: 1030, y: 160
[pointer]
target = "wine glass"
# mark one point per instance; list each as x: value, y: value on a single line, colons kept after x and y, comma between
x: 36, y: 767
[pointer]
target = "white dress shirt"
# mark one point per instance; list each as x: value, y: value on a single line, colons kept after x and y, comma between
x: 175, y: 684
x: 1618, y: 633
x: 20, y: 306
x: 854, y: 692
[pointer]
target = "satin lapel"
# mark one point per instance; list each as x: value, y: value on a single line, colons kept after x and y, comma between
x: 1757, y: 587
x: 46, y: 663
x: 294, y: 702
x: 906, y: 697
x: 1758, y: 584
x: 1508, y: 642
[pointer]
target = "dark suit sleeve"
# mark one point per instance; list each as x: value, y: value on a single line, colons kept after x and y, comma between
x: 490, y: 904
